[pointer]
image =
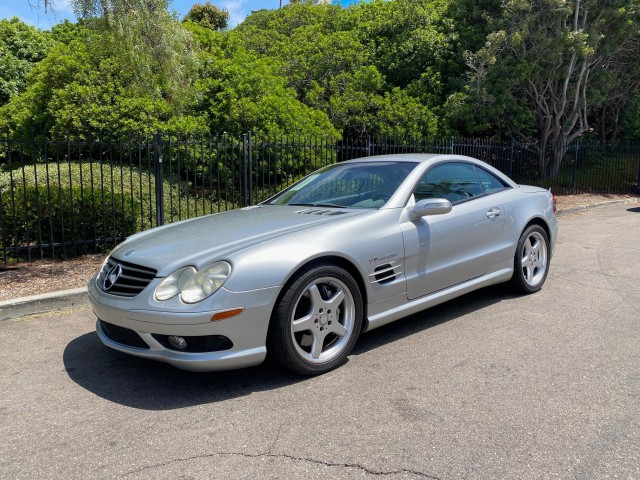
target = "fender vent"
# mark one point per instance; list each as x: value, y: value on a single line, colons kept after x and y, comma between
x: 385, y: 273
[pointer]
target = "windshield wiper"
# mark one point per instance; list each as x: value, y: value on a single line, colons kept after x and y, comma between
x: 333, y: 205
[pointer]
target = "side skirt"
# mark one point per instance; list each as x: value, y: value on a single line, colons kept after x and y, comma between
x: 405, y: 308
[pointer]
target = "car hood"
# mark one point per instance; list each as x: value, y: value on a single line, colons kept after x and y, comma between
x: 201, y: 240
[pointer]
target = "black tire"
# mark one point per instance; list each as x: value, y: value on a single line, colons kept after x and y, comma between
x: 531, y: 261
x: 317, y: 321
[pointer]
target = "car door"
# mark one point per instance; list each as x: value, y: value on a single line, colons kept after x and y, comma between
x: 445, y: 250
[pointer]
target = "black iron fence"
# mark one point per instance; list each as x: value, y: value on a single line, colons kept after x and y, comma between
x: 68, y: 196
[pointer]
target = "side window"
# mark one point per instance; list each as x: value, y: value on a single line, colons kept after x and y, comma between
x: 454, y: 181
x: 489, y: 182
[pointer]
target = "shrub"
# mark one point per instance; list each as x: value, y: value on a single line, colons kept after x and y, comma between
x: 66, y: 219
x: 92, y: 205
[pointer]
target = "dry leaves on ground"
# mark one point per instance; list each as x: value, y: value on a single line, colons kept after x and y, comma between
x: 45, y: 276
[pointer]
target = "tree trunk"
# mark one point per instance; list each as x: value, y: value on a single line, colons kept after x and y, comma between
x: 542, y: 158
x: 558, y: 151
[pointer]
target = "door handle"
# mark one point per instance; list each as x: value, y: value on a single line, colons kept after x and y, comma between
x: 494, y: 213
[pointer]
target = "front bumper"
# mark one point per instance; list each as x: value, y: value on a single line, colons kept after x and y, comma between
x: 247, y: 331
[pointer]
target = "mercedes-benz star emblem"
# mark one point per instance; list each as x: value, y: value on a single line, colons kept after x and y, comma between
x: 112, y: 276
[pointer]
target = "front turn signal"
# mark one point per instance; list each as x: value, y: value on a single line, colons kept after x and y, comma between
x: 226, y: 314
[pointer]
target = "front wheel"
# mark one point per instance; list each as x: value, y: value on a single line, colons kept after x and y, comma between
x: 317, y: 321
x: 531, y: 262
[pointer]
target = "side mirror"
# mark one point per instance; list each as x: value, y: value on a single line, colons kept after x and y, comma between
x: 430, y: 206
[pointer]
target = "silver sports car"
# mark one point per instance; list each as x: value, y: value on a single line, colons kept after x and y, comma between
x: 298, y: 277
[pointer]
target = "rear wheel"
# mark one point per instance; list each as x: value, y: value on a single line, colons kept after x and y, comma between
x: 531, y: 262
x: 317, y: 321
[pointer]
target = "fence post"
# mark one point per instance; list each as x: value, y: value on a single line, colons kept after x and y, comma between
x: 638, y: 161
x: 245, y: 163
x: 574, y: 175
x: 452, y: 145
x: 511, y: 159
x: 368, y: 145
x: 2, y: 236
x: 250, y: 202
x: 157, y: 157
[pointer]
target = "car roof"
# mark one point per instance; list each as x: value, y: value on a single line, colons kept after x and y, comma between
x: 432, y: 158
x: 406, y: 157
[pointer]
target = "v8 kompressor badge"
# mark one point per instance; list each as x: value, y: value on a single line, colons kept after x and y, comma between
x: 382, y: 259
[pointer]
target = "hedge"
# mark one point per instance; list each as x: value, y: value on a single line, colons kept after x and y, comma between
x: 77, y: 219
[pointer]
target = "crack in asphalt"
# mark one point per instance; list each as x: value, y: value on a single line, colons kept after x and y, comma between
x: 290, y: 457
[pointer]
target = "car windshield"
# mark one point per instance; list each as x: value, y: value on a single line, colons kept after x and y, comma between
x: 347, y: 185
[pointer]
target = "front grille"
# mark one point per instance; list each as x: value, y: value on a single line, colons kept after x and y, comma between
x: 127, y: 281
x: 123, y: 336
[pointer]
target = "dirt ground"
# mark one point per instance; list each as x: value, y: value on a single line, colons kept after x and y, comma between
x: 44, y: 276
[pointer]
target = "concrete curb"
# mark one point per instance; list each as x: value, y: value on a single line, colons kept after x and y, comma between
x: 569, y: 211
x: 44, y: 303
x: 47, y: 302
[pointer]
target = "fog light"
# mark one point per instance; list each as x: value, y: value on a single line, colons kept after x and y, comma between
x: 178, y: 343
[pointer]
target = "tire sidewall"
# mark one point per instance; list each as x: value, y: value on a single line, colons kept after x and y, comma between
x: 518, y: 279
x: 280, y: 338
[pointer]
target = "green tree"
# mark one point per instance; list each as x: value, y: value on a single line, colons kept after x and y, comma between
x: 406, y: 39
x: 81, y: 88
x: 336, y: 62
x: 148, y: 40
x: 619, y: 77
x: 241, y: 91
x: 21, y: 47
x: 630, y: 118
x: 551, y: 51
x: 208, y: 15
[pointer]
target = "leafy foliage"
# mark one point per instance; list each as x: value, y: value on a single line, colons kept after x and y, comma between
x: 557, y: 57
x: 354, y: 63
x: 546, y: 70
x: 21, y: 47
x: 84, y: 86
x: 208, y: 15
x: 146, y: 41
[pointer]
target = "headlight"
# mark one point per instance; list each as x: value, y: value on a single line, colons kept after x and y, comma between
x: 172, y: 285
x: 193, y: 285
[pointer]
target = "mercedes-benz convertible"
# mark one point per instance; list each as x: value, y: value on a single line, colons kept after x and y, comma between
x: 300, y: 276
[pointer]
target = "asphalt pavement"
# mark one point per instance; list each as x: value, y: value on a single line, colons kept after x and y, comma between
x: 491, y: 385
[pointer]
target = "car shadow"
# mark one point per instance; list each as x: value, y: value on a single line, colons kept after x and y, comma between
x: 433, y: 317
x: 149, y: 385
x: 634, y: 210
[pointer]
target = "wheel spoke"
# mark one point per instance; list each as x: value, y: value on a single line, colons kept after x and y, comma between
x: 527, y: 245
x: 339, y: 329
x: 335, y: 301
x: 528, y: 273
x: 315, y: 297
x: 316, y: 347
x: 536, y: 245
x: 304, y: 323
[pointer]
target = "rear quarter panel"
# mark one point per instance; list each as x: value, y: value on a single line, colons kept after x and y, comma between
x: 524, y: 205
